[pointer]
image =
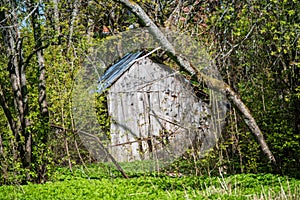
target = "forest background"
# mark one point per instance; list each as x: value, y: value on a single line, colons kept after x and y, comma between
x: 255, y: 45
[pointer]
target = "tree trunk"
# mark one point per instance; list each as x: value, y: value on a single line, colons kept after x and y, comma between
x: 10, y: 119
x: 13, y: 44
x: 42, y: 101
x: 56, y: 17
x: 214, y: 83
x: 41, y: 65
x: 73, y: 18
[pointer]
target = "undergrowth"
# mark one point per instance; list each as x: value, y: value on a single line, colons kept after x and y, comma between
x: 101, y: 182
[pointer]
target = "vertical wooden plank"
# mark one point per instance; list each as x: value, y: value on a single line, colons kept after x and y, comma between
x: 146, y: 102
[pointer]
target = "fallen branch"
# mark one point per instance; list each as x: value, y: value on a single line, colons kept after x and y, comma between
x: 101, y: 145
x: 212, y: 82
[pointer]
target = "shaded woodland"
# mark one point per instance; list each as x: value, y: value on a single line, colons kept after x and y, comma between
x: 43, y: 44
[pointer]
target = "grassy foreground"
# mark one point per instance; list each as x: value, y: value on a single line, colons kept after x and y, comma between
x: 95, y: 184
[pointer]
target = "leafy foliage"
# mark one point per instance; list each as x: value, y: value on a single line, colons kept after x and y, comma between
x: 256, y: 46
x: 257, y: 50
x: 102, y: 113
x: 95, y: 183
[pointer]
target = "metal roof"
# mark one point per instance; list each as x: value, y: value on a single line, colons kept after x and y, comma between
x: 116, y: 71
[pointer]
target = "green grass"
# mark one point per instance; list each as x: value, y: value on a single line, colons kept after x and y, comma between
x: 97, y: 182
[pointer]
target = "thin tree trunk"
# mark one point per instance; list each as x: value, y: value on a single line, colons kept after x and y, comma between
x: 56, y: 17
x: 74, y: 15
x: 214, y: 83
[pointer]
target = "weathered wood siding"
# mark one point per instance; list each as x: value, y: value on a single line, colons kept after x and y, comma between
x: 152, y: 100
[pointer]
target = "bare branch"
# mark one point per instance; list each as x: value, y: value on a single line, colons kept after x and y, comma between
x: 236, y: 45
x: 101, y: 145
x: 33, y: 53
x: 22, y: 22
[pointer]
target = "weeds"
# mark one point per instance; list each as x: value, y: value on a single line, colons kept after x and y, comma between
x: 97, y: 183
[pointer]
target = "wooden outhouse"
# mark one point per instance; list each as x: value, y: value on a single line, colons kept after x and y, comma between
x: 153, y: 110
